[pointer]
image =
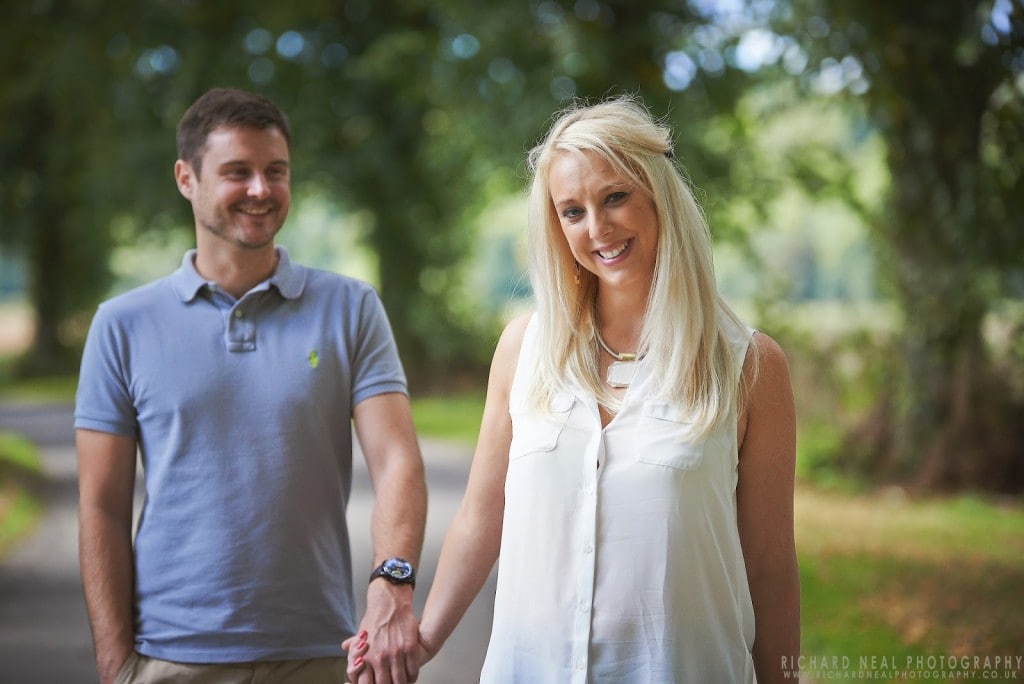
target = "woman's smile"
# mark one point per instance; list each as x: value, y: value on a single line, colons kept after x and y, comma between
x: 610, y: 253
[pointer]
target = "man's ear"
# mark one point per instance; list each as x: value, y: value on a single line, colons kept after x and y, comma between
x: 185, y: 177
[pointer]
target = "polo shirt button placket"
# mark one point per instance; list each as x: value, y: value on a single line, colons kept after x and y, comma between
x: 241, y: 331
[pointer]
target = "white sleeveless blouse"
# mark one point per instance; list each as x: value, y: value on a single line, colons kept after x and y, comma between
x: 620, y: 554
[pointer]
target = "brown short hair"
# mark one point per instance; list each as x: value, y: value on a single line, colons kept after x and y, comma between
x: 230, y: 107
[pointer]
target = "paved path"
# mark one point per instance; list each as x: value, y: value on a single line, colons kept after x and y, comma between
x: 44, y: 632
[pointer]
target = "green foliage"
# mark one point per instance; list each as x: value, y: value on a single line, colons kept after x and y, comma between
x: 842, y: 361
x: 18, y: 452
x: 942, y: 85
x: 414, y: 116
x: 19, y: 511
x: 20, y: 470
x: 405, y: 110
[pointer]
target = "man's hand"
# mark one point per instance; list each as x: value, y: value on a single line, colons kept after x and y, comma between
x: 356, y: 647
x: 387, y: 649
x: 108, y: 665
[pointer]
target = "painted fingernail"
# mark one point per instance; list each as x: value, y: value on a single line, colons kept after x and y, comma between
x: 357, y: 661
x: 363, y: 635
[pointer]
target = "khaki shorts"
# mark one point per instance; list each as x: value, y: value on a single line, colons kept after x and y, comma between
x: 140, y: 669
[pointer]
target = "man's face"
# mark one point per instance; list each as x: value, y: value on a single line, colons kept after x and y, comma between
x: 243, y: 193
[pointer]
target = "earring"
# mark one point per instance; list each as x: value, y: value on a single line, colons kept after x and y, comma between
x: 577, y: 278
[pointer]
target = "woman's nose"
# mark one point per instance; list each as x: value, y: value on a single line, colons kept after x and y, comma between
x: 599, y: 226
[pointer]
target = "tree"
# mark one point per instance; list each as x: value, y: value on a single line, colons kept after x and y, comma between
x: 414, y: 111
x: 942, y: 83
x: 77, y: 155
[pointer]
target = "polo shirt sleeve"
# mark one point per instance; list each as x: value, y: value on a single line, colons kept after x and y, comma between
x: 103, y: 401
x: 376, y: 368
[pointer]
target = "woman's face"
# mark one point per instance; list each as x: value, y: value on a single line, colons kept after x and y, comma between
x: 610, y: 224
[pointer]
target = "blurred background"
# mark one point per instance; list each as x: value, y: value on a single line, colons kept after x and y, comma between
x: 860, y: 163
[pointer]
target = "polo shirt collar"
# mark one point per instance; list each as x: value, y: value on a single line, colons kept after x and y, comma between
x: 288, y: 278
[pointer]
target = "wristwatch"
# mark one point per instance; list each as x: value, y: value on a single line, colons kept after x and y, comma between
x: 396, y: 571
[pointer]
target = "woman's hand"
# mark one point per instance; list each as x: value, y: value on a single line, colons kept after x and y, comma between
x: 356, y: 648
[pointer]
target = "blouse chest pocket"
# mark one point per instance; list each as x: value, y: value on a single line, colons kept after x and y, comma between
x: 534, y: 432
x: 665, y: 438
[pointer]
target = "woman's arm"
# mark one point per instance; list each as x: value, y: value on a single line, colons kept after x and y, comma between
x: 473, y: 539
x: 474, y: 536
x: 767, y: 460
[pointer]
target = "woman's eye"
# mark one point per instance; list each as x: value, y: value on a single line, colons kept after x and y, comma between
x: 617, y: 197
x: 572, y: 212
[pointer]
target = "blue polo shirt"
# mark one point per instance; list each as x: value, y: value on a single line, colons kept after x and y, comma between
x: 242, y: 411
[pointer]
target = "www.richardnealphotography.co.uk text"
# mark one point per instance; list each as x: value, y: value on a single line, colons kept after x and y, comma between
x: 925, y: 668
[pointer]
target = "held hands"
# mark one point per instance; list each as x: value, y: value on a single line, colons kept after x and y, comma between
x: 357, y: 648
x: 386, y: 649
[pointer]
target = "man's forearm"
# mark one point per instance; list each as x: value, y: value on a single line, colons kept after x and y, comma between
x: 397, y: 528
x: 105, y: 557
x: 399, y: 513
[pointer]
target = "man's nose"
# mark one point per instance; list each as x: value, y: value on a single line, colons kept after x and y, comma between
x: 258, y: 186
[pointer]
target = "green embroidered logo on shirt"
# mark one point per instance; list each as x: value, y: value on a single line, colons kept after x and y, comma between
x: 313, y: 359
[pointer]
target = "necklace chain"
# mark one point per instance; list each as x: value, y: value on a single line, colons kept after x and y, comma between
x: 623, y: 356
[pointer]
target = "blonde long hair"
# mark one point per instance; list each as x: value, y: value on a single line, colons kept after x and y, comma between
x: 686, y: 347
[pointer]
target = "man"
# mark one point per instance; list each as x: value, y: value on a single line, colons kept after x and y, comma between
x: 237, y: 379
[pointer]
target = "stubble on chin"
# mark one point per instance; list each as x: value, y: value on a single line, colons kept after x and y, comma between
x: 224, y: 230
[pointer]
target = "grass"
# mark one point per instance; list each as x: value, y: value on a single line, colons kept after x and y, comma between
x: 38, y: 390
x: 455, y: 418
x: 19, y: 505
x: 882, y: 575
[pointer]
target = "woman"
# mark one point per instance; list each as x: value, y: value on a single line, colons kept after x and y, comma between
x: 636, y: 458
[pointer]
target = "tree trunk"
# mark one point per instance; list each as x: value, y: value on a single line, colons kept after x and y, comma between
x: 400, y: 270
x: 66, y: 246
x: 952, y: 425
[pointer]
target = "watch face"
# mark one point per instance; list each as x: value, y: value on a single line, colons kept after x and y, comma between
x: 397, y: 568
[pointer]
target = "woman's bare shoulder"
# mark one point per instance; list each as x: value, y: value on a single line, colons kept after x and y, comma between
x: 512, y: 336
